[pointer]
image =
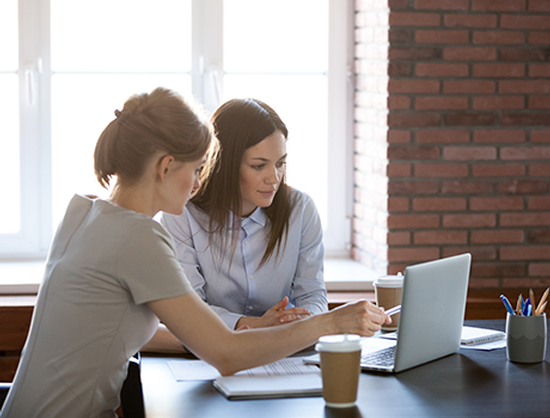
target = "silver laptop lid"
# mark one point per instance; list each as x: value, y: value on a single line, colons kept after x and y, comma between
x: 432, y: 310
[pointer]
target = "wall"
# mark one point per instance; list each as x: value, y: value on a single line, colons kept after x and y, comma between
x: 468, y: 138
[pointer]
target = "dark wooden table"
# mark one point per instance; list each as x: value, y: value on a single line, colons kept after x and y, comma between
x: 470, y: 383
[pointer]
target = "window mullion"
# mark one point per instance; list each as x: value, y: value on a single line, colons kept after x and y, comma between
x: 207, y: 67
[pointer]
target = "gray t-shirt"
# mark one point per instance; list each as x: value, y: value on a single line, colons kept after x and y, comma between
x: 105, y: 263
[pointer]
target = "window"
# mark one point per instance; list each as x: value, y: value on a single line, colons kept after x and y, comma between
x: 68, y: 65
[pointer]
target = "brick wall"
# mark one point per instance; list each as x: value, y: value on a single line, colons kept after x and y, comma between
x: 468, y: 139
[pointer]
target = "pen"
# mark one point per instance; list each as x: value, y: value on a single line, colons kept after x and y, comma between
x: 526, y: 307
x: 393, y: 310
x: 507, y: 305
x: 529, y: 310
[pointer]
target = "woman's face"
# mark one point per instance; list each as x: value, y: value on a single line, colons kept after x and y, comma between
x: 184, y: 181
x: 262, y: 169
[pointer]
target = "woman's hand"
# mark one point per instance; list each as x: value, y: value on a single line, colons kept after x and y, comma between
x: 276, y: 315
x: 359, y: 317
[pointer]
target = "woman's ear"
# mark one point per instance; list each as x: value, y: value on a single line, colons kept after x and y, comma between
x: 164, y: 166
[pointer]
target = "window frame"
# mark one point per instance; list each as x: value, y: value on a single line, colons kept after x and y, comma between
x: 35, y: 76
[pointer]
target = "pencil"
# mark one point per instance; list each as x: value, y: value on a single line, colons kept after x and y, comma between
x: 543, y: 300
x: 518, y: 306
x: 541, y: 309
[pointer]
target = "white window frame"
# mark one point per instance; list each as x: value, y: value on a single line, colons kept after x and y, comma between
x: 207, y: 69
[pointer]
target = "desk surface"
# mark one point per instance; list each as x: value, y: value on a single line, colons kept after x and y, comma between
x: 469, y: 383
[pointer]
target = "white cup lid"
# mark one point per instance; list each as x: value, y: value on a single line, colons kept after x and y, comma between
x: 389, y: 281
x: 341, y: 343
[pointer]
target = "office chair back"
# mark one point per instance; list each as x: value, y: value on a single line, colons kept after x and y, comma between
x: 131, y: 395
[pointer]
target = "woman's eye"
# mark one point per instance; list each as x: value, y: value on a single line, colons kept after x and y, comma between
x: 258, y: 167
x: 281, y: 164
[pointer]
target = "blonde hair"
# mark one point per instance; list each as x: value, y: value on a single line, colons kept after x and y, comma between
x: 160, y: 121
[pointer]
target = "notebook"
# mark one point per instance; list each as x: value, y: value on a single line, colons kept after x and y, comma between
x: 432, y: 313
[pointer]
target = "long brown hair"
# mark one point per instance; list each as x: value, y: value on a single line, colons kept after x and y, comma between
x: 159, y: 121
x: 240, y: 124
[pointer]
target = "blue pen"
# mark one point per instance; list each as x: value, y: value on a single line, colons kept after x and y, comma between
x: 526, y: 307
x: 529, y: 310
x: 507, y: 305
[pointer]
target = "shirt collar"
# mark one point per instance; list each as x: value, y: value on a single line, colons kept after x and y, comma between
x: 258, y: 216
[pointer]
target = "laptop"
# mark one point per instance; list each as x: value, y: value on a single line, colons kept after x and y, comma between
x: 433, y: 302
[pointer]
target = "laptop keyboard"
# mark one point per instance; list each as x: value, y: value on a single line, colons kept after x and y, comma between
x: 383, y: 357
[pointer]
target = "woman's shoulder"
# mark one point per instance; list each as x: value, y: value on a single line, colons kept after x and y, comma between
x: 299, y: 199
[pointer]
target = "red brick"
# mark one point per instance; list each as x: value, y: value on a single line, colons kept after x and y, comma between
x: 469, y: 54
x: 399, y: 102
x: 478, y: 252
x: 539, y: 70
x: 441, y: 36
x: 539, y: 5
x: 499, y: 135
x: 467, y: 186
x: 399, y: 170
x: 526, y: 119
x: 498, y: 5
x: 524, y: 86
x: 469, y: 153
x: 539, y: 236
x: 498, y: 102
x: 441, y: 102
x: 469, y: 86
x: 525, y: 219
x: 525, y: 283
x: 414, y: 53
x: 539, y: 269
x: 542, y: 135
x: 417, y: 254
x: 400, y: 69
x: 476, y: 283
x: 440, y: 237
x: 398, y: 4
x: 516, y: 21
x: 399, y: 35
x: 440, y: 170
x: 398, y: 204
x: 470, y: 119
x: 413, y: 153
x: 469, y: 220
x: 498, y: 37
x: 498, y: 170
x: 498, y: 270
x: 525, y: 252
x: 524, y: 186
x: 412, y: 187
x: 412, y: 221
x: 441, y: 70
x: 413, y: 86
x: 502, y: 236
x: 439, y: 204
x: 411, y: 120
x: 443, y: 136
x: 524, y: 54
x: 539, y: 102
x: 540, y: 202
x: 398, y: 137
x: 539, y: 38
x: 441, y: 4
x: 539, y: 170
x: 399, y: 238
x: 470, y: 21
x: 498, y: 70
x: 414, y: 19
x: 496, y: 203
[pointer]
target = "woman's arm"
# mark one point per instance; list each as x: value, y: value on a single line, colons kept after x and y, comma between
x: 203, y: 332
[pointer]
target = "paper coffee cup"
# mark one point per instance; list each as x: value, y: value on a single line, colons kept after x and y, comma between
x: 340, y: 368
x: 387, y: 291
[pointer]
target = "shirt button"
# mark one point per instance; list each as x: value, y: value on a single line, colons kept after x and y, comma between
x: 250, y: 308
x: 246, y: 243
x: 250, y: 277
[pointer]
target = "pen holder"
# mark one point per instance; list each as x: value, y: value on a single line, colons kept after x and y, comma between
x: 526, y: 338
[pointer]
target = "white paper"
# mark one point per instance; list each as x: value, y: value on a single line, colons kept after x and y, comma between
x: 184, y: 370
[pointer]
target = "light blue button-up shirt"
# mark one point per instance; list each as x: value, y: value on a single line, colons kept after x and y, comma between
x: 240, y: 287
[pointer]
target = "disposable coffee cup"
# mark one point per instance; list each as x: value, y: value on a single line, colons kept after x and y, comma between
x: 526, y: 338
x: 340, y: 368
x: 387, y: 292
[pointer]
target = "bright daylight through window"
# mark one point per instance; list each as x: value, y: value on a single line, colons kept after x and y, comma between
x: 65, y: 66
